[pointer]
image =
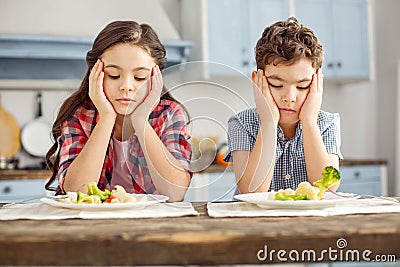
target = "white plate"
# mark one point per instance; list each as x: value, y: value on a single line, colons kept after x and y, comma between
x: 330, y: 200
x: 151, y: 200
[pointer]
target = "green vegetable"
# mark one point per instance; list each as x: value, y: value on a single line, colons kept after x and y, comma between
x: 94, y: 190
x: 80, y: 197
x: 283, y: 196
x: 330, y: 176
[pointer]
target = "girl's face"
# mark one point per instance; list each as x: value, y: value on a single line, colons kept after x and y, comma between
x: 127, y: 69
x: 290, y: 85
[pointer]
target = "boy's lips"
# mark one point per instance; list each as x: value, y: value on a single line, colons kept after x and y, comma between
x: 288, y: 110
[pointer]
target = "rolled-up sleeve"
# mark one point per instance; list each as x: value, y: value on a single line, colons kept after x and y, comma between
x: 330, y: 133
x: 71, y: 143
x: 175, y: 136
x: 242, y: 132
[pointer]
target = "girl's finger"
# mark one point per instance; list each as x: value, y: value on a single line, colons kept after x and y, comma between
x: 100, y: 81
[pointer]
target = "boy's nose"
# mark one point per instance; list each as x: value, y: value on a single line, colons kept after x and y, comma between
x: 289, y: 97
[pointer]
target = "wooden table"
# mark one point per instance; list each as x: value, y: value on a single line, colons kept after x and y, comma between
x: 198, y: 240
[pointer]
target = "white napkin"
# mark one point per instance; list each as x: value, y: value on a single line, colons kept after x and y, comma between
x: 41, y: 211
x: 245, y: 209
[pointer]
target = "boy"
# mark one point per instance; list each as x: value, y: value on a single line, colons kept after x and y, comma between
x: 286, y: 139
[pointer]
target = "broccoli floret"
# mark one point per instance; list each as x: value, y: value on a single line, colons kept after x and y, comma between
x: 283, y: 196
x: 80, y: 196
x: 330, y: 176
x: 94, y: 190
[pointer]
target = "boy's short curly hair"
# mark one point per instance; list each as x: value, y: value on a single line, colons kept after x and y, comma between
x: 286, y: 42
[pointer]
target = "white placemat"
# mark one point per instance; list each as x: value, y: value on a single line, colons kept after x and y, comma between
x: 245, y: 209
x: 41, y: 211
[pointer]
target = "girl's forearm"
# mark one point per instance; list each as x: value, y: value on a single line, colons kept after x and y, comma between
x: 87, y: 166
x: 316, y: 156
x: 168, y: 176
x: 255, y: 173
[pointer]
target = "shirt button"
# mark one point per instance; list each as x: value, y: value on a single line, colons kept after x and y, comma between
x: 287, y: 144
x: 280, y: 135
x: 287, y: 176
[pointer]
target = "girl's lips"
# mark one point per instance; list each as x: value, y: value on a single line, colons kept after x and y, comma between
x: 125, y: 101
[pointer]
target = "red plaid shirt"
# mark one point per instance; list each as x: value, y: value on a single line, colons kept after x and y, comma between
x: 168, y: 120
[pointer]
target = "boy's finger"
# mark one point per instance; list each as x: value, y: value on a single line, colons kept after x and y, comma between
x: 264, y: 85
x: 320, y: 81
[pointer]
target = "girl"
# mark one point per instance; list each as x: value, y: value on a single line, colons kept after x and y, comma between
x: 122, y: 126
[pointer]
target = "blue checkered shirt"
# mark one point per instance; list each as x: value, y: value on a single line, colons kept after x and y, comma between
x: 290, y: 164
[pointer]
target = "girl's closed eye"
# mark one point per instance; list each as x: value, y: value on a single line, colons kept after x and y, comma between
x: 114, y: 77
x: 140, y: 78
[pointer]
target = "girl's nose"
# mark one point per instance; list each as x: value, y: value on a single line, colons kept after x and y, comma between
x: 127, y: 86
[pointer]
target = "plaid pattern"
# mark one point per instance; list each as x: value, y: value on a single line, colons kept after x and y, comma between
x: 168, y: 120
x: 290, y: 165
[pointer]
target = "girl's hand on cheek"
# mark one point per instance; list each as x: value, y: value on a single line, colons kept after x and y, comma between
x: 311, y: 106
x: 265, y: 103
x: 154, y: 87
x: 96, y: 91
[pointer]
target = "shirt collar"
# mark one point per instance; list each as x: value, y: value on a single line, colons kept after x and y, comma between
x: 281, y: 136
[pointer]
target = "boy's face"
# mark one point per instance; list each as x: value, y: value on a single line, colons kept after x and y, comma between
x: 290, y: 85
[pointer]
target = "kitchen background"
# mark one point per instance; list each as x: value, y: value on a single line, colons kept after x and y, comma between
x: 367, y: 99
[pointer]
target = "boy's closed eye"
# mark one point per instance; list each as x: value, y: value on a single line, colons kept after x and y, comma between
x: 275, y: 86
x: 298, y: 87
x: 303, y: 88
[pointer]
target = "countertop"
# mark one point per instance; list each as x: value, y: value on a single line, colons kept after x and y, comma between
x: 46, y: 174
x: 193, y: 240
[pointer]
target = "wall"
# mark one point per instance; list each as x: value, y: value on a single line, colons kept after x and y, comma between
x: 80, y: 18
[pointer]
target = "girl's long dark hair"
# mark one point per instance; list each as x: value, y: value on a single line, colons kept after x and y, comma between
x: 131, y: 32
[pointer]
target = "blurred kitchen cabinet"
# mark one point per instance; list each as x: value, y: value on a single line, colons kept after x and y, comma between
x: 342, y: 28
x: 57, y: 58
x: 364, y: 179
x: 22, y: 190
x: 218, y: 186
x: 234, y: 26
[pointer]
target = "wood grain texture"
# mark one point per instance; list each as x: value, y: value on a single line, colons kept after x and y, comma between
x: 24, y: 174
x: 198, y: 240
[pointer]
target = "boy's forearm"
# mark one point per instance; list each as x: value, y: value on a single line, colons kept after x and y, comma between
x: 316, y: 156
x: 255, y: 174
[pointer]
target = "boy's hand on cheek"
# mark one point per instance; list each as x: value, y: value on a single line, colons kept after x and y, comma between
x: 311, y: 106
x: 154, y: 87
x: 96, y: 91
x: 265, y: 103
